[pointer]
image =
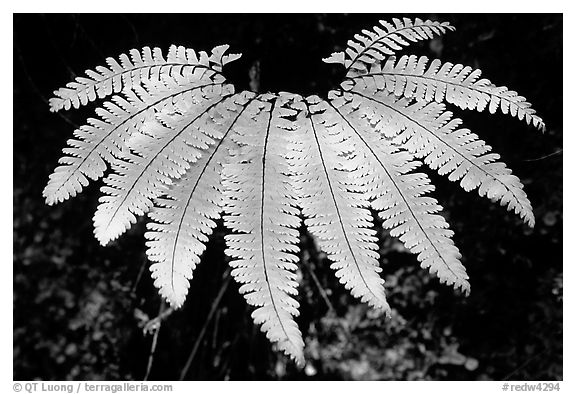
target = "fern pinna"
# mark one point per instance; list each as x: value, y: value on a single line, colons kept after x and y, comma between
x: 184, y: 148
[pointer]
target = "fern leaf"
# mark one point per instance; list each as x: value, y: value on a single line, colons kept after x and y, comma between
x: 400, y: 197
x: 413, y: 77
x: 104, y: 140
x: 184, y: 149
x: 336, y: 216
x: 162, y: 152
x: 372, y: 46
x: 429, y: 131
x: 184, y: 218
x: 131, y: 71
x: 259, y: 208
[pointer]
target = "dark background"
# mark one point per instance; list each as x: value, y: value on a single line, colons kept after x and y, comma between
x: 80, y: 309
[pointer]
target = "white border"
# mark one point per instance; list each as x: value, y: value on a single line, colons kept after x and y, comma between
x: 496, y: 6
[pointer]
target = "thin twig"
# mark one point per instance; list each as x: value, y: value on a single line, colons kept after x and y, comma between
x: 524, y: 364
x: 93, y: 44
x: 320, y: 288
x: 35, y: 87
x: 216, y: 326
x: 547, y: 156
x: 225, y: 369
x: 57, y: 50
x: 133, y: 28
x: 162, y: 315
x: 139, y: 276
x: 154, y: 340
x: 200, y: 336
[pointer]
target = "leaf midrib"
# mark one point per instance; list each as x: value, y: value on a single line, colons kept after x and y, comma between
x: 159, y: 151
x: 176, y: 239
x: 338, y: 209
x: 399, y: 192
x: 131, y: 117
x: 444, y: 143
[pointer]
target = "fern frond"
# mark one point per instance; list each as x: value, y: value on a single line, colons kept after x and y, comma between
x: 336, y: 216
x: 104, y: 140
x: 385, y: 40
x: 131, y: 71
x: 259, y: 207
x: 185, y: 149
x: 184, y: 218
x: 429, y: 131
x: 161, y: 152
x: 414, y: 77
x: 400, y: 196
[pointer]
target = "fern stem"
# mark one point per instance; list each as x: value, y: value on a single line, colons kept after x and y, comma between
x: 154, y: 340
x: 200, y: 336
x: 138, y: 277
x: 323, y: 293
x: 267, y: 280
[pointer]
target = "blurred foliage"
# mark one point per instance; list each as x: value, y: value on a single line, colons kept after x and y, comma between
x: 80, y: 310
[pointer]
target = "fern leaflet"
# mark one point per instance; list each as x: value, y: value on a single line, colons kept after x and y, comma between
x: 336, y: 215
x: 429, y: 132
x: 103, y: 140
x: 399, y: 197
x: 184, y: 218
x: 140, y: 66
x: 161, y: 154
x: 259, y: 205
x: 455, y: 83
x: 374, y: 46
